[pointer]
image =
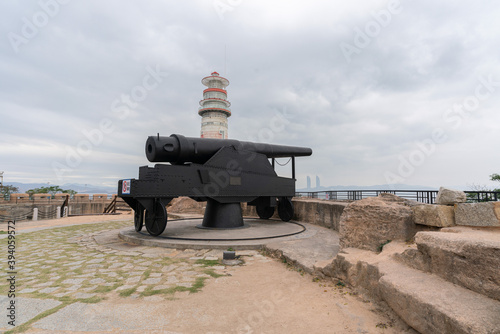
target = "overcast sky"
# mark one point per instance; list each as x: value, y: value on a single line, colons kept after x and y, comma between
x: 382, y: 91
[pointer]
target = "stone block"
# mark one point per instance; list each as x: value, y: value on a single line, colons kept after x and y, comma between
x: 478, y: 214
x: 434, y: 215
x: 447, y: 196
x: 371, y: 222
x: 466, y: 256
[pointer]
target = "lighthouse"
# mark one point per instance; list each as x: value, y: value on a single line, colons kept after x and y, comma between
x: 214, y: 108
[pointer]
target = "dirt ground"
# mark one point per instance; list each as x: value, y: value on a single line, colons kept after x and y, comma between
x: 261, y: 296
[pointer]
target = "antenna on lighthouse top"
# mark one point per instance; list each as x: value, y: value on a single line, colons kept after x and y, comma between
x: 225, y: 60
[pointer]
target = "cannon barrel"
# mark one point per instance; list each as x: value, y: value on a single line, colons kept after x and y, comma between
x: 178, y: 149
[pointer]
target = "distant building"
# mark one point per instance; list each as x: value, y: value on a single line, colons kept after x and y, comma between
x: 214, y: 108
x: 308, y: 182
x: 317, y: 182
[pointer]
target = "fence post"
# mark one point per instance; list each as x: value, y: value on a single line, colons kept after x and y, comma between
x: 35, y: 213
x: 65, y: 211
x: 58, y: 212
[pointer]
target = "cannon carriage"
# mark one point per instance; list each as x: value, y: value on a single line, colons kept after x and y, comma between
x: 222, y: 172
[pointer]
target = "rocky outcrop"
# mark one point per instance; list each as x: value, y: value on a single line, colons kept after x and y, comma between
x: 371, y: 222
x: 447, y: 196
x: 185, y: 205
x: 478, y: 214
x: 434, y: 215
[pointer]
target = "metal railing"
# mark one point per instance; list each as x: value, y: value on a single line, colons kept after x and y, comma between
x: 424, y: 196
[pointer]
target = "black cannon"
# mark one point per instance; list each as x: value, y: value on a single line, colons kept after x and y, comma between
x: 222, y: 172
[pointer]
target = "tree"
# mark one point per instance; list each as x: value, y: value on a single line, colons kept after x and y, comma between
x: 7, y: 190
x: 52, y: 190
x: 70, y: 191
x: 495, y: 177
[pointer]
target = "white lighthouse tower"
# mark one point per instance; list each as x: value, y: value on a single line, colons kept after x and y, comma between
x: 214, y: 109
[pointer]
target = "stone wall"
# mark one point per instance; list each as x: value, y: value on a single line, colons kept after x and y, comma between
x: 46, y: 208
x: 319, y: 212
x: 313, y: 211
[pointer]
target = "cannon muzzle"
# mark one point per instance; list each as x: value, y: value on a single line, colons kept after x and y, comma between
x: 178, y: 149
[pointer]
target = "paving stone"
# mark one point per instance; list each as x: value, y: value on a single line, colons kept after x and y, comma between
x: 73, y: 263
x: 155, y: 275
x: 48, y: 290
x: 219, y: 267
x: 134, y: 279
x: 81, y: 295
x: 128, y: 253
x: 95, y: 261
x: 26, y: 309
x: 86, y: 275
x: 154, y: 280
x: 141, y: 288
x: 172, y: 279
x: 97, y: 281
x: 211, y: 258
x: 168, y: 268
x: 161, y: 287
x: 124, y: 287
x: 186, y: 285
x: 28, y: 290
x: 44, y: 284
x: 73, y: 281
x: 59, y: 295
x: 74, y: 287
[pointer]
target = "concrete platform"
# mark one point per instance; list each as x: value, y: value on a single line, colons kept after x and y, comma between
x: 183, y: 234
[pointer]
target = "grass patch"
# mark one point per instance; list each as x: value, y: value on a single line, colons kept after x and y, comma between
x: 91, y: 300
x: 198, y: 284
x: 208, y: 263
x: 340, y: 284
x: 147, y: 273
x: 127, y: 292
x: 212, y: 273
x: 381, y: 246
x: 3, y: 232
x: 105, y: 288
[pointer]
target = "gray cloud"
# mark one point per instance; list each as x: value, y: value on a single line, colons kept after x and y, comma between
x: 282, y: 58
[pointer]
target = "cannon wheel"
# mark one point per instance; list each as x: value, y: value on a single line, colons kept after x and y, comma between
x: 285, y: 209
x: 138, y: 219
x: 156, y: 220
x: 265, y: 212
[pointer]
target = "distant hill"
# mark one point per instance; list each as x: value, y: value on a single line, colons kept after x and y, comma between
x: 374, y: 187
x: 80, y: 188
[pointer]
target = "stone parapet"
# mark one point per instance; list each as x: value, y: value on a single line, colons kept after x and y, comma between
x: 319, y: 212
